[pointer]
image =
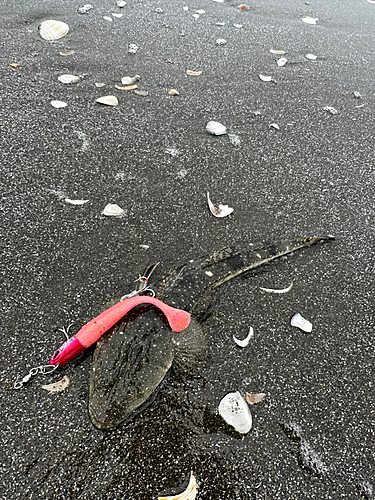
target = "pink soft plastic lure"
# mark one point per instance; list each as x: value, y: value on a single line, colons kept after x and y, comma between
x: 178, y: 320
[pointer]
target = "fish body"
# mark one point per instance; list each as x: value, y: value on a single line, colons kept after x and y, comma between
x: 131, y: 359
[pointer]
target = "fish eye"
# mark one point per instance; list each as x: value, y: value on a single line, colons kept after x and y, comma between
x: 56, y: 354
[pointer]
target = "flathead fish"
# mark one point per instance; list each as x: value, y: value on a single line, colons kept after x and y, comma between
x: 131, y: 360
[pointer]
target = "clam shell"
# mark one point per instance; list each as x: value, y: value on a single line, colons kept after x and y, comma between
x: 109, y: 100
x: 53, y: 30
x: 235, y: 411
x: 67, y: 79
x: 57, y: 386
x: 301, y: 323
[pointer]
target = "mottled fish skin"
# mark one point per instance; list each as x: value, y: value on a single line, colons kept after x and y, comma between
x: 132, y: 359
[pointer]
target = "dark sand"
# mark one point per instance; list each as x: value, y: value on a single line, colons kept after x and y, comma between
x: 313, y: 436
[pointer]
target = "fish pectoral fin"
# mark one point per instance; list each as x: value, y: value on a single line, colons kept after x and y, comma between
x: 190, y: 345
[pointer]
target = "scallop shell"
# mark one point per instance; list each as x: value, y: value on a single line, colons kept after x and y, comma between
x: 235, y: 411
x: 189, y: 494
x: 53, y: 30
x: 109, y: 100
x: 301, y: 323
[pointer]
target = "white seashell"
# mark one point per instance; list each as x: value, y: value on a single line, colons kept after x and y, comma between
x: 221, y: 41
x: 312, y: 57
x: 145, y: 247
x: 275, y: 126
x: 218, y: 1
x: 57, y: 386
x: 215, y: 128
x: 69, y: 53
x: 107, y: 18
x: 235, y: 411
x: 185, y: 9
x: 75, y: 202
x: 67, y: 79
x: 193, y: 73
x: 220, y: 24
x: 244, y: 342
x: 357, y: 95
x: 99, y: 84
x: 301, y: 323
x: 196, y: 16
x: 265, y: 78
x: 371, y: 1
x: 129, y: 80
x: 109, y: 100
x: 133, y: 48
x: 117, y: 15
x: 121, y: 3
x: 273, y: 290
x: 209, y: 273
x: 58, y: 104
x: 282, y: 61
x: 113, y: 210
x: 221, y: 210
x: 53, y: 30
x: 238, y: 25
x: 309, y: 20
x: 234, y: 139
x: 277, y: 52
x: 189, y: 494
x: 200, y: 11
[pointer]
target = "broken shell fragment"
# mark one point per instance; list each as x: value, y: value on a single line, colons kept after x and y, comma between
x: 215, y: 128
x: 113, y: 210
x: 108, y: 100
x: 330, y: 109
x: 275, y: 126
x: 244, y: 342
x: 253, y: 399
x: 311, y: 57
x: 277, y: 52
x: 128, y: 87
x: 282, y: 61
x: 173, y: 92
x: 69, y: 53
x: 117, y: 15
x: 58, y: 104
x: 142, y: 93
x: 53, y: 30
x: 220, y: 211
x: 235, y: 411
x: 189, y: 494
x: 193, y: 73
x: 221, y: 41
x: 133, y: 48
x: 121, y: 3
x: 57, y: 386
x: 68, y: 79
x: 299, y: 322
x: 85, y: 8
x: 75, y: 202
x: 129, y: 80
x: 238, y: 25
x: 274, y: 290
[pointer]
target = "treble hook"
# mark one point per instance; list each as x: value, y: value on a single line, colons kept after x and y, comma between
x: 143, y: 286
x: 43, y: 369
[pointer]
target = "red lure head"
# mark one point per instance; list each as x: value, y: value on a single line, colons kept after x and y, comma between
x: 68, y: 351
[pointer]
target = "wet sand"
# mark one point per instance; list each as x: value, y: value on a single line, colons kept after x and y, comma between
x: 313, y: 435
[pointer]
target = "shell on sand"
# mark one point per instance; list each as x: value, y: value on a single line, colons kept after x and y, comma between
x: 53, y: 30
x: 189, y: 494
